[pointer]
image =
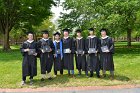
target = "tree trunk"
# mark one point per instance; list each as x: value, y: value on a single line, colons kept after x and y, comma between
x: 16, y: 41
x: 129, y: 37
x: 6, y: 45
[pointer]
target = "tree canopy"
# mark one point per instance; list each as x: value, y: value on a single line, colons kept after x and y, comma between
x: 119, y: 16
x: 22, y: 13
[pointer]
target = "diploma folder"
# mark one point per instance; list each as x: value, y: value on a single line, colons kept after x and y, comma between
x: 67, y: 50
x: 31, y: 51
x: 46, y: 48
x: 79, y: 51
x: 58, y: 51
x: 105, y: 49
x: 92, y: 50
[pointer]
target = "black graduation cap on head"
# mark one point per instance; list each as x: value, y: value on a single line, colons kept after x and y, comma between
x: 29, y: 32
x: 66, y: 30
x: 103, y: 29
x: 45, y: 32
x: 78, y: 31
x: 90, y: 29
x: 56, y: 33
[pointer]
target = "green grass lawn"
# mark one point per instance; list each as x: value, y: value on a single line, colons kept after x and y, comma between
x: 127, y: 67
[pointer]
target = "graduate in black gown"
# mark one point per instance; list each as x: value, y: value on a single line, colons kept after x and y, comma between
x: 47, y: 49
x: 68, y: 52
x: 29, y: 63
x: 106, y: 55
x: 80, y: 52
x: 92, y: 48
x: 58, y: 63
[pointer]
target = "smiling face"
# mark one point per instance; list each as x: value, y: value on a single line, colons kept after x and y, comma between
x: 45, y: 36
x: 91, y: 32
x: 103, y: 33
x: 78, y: 34
x: 66, y: 34
x: 57, y: 37
x: 30, y: 36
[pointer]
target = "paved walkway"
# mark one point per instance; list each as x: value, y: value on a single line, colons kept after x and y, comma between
x: 131, y: 90
x: 88, y: 89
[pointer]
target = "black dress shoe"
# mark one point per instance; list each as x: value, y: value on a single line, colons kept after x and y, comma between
x: 31, y: 81
x: 104, y: 75
x: 91, y: 75
x: 98, y: 76
x: 42, y: 79
x: 50, y: 78
x: 112, y: 77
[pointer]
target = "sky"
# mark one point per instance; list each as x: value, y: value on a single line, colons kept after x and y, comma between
x: 56, y: 13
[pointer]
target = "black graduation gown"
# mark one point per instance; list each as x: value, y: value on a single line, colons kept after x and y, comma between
x: 29, y: 63
x: 107, y: 58
x: 93, y: 63
x: 46, y: 59
x: 58, y: 63
x: 80, y: 59
x: 68, y: 59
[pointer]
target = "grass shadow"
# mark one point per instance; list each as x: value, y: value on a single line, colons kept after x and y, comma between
x: 10, y: 56
x: 56, y: 81
x: 117, y: 77
x: 122, y: 78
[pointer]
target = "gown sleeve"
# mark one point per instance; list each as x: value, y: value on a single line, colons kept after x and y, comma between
x: 72, y: 46
x: 111, y: 45
x: 38, y: 48
x: 98, y: 45
x: 23, y: 46
x: 84, y: 48
x: 52, y: 46
x: 86, y: 45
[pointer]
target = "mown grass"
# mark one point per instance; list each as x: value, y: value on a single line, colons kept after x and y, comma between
x: 127, y: 67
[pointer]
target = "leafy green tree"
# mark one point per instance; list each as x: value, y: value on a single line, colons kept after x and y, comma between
x: 16, y: 34
x: 119, y: 16
x: 46, y: 24
x: 14, y: 13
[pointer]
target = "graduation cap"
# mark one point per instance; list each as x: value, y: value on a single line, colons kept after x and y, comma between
x: 66, y: 30
x: 56, y: 33
x: 78, y: 31
x: 45, y: 32
x: 90, y: 29
x: 103, y: 30
x: 29, y: 32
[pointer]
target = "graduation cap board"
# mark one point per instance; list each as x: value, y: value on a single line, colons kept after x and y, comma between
x: 78, y: 31
x: 56, y: 33
x: 103, y: 30
x: 66, y: 30
x: 29, y: 32
x: 45, y: 32
x: 90, y: 29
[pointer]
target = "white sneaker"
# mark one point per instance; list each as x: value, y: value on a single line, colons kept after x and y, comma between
x: 31, y: 81
x: 22, y: 83
x: 54, y: 75
x: 49, y: 75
